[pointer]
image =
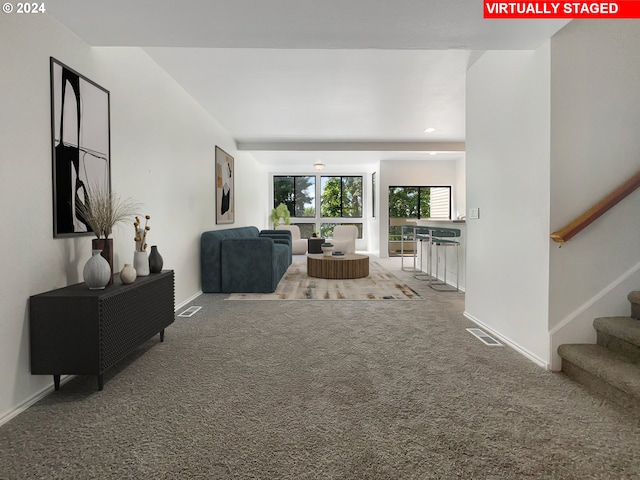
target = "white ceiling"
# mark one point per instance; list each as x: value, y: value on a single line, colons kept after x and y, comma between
x: 296, y: 81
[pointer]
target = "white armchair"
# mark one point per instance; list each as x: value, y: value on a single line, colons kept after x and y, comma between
x: 298, y: 245
x: 344, y: 238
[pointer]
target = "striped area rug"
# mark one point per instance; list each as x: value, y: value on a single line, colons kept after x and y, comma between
x: 297, y: 285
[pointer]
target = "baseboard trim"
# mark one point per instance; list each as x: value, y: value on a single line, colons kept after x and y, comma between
x: 518, y: 348
x: 188, y: 300
x: 33, y: 399
x: 593, y: 300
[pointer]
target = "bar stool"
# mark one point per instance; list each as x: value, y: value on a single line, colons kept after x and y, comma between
x: 422, y: 237
x: 444, y: 237
x: 408, y: 232
x: 412, y: 232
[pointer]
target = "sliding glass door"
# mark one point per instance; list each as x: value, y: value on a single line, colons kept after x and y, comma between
x: 414, y: 203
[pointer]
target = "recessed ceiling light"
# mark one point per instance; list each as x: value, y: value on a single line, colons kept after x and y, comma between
x: 429, y: 130
x: 432, y: 153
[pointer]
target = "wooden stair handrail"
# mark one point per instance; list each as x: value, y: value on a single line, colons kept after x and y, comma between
x: 597, y: 210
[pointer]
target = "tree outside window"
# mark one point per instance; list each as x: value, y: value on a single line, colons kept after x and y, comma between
x: 415, y: 202
x: 341, y: 200
x: 298, y: 193
x: 420, y: 202
x: 341, y: 197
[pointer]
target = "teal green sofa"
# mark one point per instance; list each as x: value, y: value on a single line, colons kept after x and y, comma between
x: 243, y: 260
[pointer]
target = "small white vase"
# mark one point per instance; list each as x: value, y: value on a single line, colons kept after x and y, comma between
x: 96, y: 271
x: 141, y: 263
x: 327, y: 249
x: 128, y: 274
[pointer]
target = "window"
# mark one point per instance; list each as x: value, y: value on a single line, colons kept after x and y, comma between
x: 341, y: 197
x: 306, y: 229
x: 415, y: 202
x: 298, y: 193
x: 373, y: 194
x: 420, y: 202
x: 339, y: 201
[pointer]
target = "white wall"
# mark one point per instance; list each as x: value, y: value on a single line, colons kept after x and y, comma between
x: 374, y: 214
x: 460, y: 200
x: 163, y: 155
x: 507, y: 171
x: 162, y: 146
x: 415, y: 173
x: 595, y: 146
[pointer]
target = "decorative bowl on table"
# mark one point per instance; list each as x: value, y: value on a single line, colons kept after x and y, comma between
x: 327, y: 249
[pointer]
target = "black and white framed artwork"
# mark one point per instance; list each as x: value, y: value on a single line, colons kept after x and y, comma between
x: 225, y: 176
x: 80, y: 134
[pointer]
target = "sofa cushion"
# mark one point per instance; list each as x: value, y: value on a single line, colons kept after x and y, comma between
x: 211, y: 254
x: 280, y: 236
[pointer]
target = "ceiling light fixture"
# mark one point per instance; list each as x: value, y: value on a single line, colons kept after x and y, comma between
x: 318, y: 165
x: 429, y: 130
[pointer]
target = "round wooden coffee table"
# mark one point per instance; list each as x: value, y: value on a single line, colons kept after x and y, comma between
x: 351, y: 265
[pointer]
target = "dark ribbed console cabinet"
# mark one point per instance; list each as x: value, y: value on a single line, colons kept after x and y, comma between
x: 77, y: 331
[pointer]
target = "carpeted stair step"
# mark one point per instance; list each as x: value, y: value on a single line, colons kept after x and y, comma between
x: 634, y: 298
x: 619, y: 334
x: 604, y: 372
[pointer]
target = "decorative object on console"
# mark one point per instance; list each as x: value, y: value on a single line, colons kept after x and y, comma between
x: 140, y: 258
x: 280, y: 215
x: 327, y: 249
x: 141, y: 263
x: 225, y: 194
x: 102, y: 210
x: 155, y: 260
x: 128, y: 274
x: 105, y: 245
x: 96, y: 272
x: 80, y: 146
x: 141, y: 233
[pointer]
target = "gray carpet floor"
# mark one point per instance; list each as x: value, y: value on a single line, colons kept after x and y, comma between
x: 322, y: 390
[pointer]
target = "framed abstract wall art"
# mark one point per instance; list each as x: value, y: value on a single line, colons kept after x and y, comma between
x: 225, y: 176
x: 81, y: 151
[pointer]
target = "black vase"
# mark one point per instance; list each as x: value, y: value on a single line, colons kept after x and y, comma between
x: 155, y: 260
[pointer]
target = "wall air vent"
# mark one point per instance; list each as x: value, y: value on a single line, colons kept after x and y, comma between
x: 189, y: 312
x: 484, y: 337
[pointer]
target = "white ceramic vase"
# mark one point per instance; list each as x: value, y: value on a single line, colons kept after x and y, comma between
x: 141, y: 263
x: 96, y: 271
x: 327, y: 249
x: 128, y: 274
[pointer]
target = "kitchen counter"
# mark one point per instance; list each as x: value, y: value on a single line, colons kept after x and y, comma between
x: 451, y: 252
